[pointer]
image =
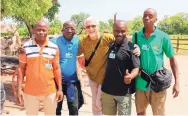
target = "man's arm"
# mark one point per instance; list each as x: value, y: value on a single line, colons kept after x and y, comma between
x: 169, y: 51
x: 57, y: 76
x: 175, y: 71
x: 129, y: 76
x: 135, y: 69
x: 21, y: 73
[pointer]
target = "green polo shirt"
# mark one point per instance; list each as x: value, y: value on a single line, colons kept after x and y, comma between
x: 152, y: 51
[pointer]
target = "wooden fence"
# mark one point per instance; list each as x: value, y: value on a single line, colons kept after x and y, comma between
x: 180, y: 44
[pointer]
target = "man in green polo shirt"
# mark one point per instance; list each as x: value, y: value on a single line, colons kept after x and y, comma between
x: 153, y: 44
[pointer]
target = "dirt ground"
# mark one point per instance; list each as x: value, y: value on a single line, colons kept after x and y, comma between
x: 177, y: 106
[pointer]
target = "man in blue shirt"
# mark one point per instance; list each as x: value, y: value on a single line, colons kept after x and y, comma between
x: 68, y: 46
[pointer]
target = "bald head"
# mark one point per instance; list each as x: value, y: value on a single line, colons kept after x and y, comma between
x: 42, y: 23
x: 90, y: 20
x: 149, y: 18
x: 91, y: 26
x: 40, y: 30
x: 153, y: 11
x: 119, y: 30
x: 120, y: 22
x: 69, y: 30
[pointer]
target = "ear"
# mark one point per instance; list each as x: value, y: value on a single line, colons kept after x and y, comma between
x: 156, y: 19
x: 33, y: 30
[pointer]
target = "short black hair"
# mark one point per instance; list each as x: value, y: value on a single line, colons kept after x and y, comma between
x: 67, y: 23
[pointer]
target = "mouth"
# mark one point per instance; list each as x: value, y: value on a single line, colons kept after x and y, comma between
x: 146, y: 22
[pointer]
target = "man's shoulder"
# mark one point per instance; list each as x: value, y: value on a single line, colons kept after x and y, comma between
x: 51, y: 44
x: 162, y: 33
x: 76, y: 39
x: 28, y: 43
x: 83, y: 37
x: 108, y: 36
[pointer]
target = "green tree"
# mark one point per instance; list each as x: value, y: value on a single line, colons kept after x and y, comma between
x: 76, y: 18
x: 27, y: 11
x: 55, y: 27
x: 176, y: 24
x: 136, y: 24
x: 104, y: 26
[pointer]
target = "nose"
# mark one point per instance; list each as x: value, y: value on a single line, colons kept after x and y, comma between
x: 147, y: 17
x: 41, y: 32
x: 120, y: 34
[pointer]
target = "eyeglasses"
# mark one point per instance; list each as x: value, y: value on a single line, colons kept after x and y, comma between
x: 67, y: 29
x: 90, y: 26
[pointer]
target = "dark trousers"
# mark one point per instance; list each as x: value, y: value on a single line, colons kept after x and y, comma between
x: 72, y: 106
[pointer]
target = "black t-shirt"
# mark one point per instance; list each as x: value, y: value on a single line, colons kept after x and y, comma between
x: 120, y: 58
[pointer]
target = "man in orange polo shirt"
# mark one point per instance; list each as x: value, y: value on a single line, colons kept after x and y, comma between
x: 40, y: 65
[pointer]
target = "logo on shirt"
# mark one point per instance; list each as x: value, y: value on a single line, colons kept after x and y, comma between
x: 156, y: 47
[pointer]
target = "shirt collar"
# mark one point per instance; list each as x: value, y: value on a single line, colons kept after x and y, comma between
x: 124, y: 43
x: 154, y: 33
x: 66, y: 41
x: 45, y: 43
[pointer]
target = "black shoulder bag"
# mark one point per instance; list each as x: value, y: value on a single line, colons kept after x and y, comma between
x: 93, y: 53
x: 159, y: 80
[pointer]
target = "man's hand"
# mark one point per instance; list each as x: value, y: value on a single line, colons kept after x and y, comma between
x: 128, y: 77
x: 59, y: 95
x: 20, y: 96
x: 176, y: 90
x: 136, y: 51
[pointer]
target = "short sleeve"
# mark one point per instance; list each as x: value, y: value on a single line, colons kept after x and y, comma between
x: 135, y: 61
x: 56, y: 58
x: 53, y: 40
x: 167, y: 47
x: 22, y: 57
x: 133, y: 38
x: 80, y: 47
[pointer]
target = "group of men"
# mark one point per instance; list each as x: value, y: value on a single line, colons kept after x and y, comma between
x: 113, y: 65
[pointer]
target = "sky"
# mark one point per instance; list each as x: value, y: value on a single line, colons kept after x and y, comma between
x: 126, y: 9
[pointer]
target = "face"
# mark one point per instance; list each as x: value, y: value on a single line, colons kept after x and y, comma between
x: 91, y: 28
x: 149, y: 18
x: 69, y: 30
x: 119, y: 31
x: 41, y: 31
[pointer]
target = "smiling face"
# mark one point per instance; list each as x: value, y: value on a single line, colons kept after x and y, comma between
x: 119, y: 30
x: 69, y: 30
x: 41, y: 30
x: 149, y: 18
x: 91, y: 27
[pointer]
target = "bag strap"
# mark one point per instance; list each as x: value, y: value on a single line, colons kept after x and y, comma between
x: 94, y: 51
x: 136, y: 37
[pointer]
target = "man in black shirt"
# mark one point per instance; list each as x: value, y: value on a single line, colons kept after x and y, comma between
x: 122, y: 68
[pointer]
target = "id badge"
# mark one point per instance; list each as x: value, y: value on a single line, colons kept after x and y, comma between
x: 48, y: 66
x: 112, y: 55
x: 68, y: 55
x: 145, y: 47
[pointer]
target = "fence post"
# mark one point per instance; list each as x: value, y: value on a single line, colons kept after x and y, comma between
x: 177, y: 47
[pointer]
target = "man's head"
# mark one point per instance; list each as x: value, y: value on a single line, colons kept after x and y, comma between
x: 149, y: 17
x: 40, y: 30
x: 69, y: 29
x: 92, y: 27
x: 119, y: 30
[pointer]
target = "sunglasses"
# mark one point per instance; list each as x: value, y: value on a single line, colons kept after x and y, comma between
x: 91, y: 26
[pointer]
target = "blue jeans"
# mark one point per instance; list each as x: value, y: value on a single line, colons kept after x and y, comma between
x: 76, y: 104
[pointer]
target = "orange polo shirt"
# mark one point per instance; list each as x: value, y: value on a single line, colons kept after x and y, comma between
x: 39, y: 70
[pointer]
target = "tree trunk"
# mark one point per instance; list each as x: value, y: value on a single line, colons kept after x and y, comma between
x: 29, y: 29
